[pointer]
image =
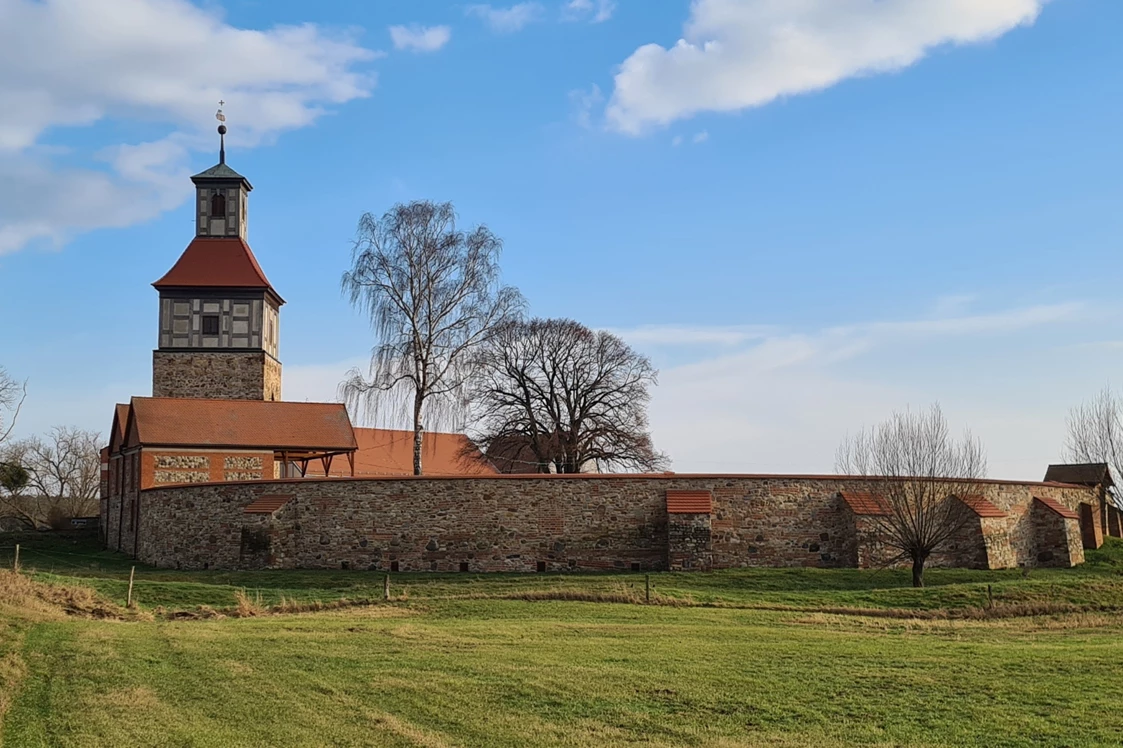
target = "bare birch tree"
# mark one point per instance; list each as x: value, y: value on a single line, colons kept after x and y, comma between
x: 432, y: 293
x: 917, y: 473
x: 565, y: 396
x: 62, y: 475
x: 1095, y: 434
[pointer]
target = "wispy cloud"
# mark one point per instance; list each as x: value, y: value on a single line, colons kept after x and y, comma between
x: 416, y: 38
x: 593, y: 11
x: 766, y: 399
x: 736, y: 54
x: 508, y: 20
x: 583, y: 103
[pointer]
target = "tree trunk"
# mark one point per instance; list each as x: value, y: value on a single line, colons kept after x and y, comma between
x: 418, y: 433
x: 918, y: 571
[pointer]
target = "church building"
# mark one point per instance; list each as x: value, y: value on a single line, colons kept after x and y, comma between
x: 216, y: 413
x: 215, y: 470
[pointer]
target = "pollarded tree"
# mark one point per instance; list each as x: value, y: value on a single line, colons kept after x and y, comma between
x: 1095, y: 434
x: 433, y: 294
x: 917, y: 472
x: 566, y: 396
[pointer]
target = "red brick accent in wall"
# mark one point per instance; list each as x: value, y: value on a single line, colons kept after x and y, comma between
x: 689, y: 502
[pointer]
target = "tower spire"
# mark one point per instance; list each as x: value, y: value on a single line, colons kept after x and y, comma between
x: 221, y: 132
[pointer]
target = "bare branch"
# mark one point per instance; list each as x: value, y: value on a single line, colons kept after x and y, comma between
x: 1095, y: 434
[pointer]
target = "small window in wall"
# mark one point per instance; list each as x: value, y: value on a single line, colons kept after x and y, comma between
x: 635, y: 566
x: 393, y: 566
x: 218, y: 206
x: 210, y: 324
x: 463, y: 566
x: 541, y: 566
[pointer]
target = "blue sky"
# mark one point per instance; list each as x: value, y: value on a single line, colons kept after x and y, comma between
x: 807, y: 216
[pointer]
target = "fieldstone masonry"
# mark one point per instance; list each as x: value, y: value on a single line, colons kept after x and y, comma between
x: 586, y: 522
x: 241, y: 375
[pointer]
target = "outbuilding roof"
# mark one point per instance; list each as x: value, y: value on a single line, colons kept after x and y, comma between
x: 390, y: 452
x: 1084, y: 474
x: 242, y: 424
x: 217, y: 263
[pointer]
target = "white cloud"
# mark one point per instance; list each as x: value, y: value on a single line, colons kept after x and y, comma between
x: 165, y: 63
x: 736, y: 54
x: 700, y: 137
x: 508, y: 20
x: 594, y: 11
x: 583, y: 103
x: 417, y: 38
x: 761, y: 399
x: 676, y: 141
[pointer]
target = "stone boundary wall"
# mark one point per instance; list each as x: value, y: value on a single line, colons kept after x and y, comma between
x: 530, y: 523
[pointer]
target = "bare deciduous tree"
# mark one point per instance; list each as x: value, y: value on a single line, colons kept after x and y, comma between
x: 432, y: 293
x: 918, y: 473
x: 12, y: 395
x: 567, y: 395
x: 62, y: 475
x: 1095, y: 434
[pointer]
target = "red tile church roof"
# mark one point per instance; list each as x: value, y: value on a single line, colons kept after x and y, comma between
x: 216, y: 263
x: 242, y: 424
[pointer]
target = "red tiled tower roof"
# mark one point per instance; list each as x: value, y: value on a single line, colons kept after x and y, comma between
x: 217, y: 263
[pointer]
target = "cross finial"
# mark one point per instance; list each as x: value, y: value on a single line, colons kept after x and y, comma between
x: 221, y: 132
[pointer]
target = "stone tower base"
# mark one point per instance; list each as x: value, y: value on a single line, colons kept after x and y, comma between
x: 220, y: 375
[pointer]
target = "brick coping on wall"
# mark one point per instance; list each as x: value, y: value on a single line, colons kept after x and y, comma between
x: 592, y: 476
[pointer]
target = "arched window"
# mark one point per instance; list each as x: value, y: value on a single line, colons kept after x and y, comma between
x: 218, y: 206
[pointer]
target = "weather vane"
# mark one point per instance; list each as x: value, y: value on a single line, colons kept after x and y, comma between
x: 221, y: 132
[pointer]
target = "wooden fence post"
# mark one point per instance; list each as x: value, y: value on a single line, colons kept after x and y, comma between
x: 15, y: 564
x: 129, y: 601
x: 386, y: 588
x: 647, y: 587
x: 990, y: 597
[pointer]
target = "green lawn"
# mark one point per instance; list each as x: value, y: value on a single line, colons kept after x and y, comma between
x: 751, y: 657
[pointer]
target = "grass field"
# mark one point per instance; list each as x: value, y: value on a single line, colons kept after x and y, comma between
x: 771, y: 657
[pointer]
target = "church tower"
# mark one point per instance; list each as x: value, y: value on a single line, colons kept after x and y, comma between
x: 218, y: 311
